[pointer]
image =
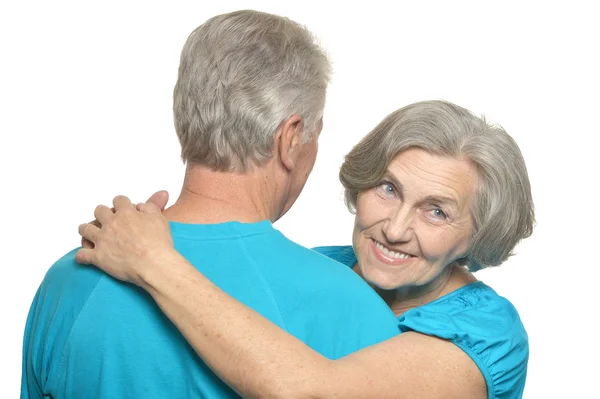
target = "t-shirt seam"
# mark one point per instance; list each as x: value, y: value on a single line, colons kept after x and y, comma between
x: 264, y: 282
x: 225, y: 237
x: 75, y: 324
x: 233, y: 236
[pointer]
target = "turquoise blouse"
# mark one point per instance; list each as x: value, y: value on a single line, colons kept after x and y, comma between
x: 483, y: 324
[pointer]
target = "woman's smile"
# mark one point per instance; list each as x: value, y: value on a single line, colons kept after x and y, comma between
x: 389, y: 256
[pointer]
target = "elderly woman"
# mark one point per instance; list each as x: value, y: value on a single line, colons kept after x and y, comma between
x: 438, y: 193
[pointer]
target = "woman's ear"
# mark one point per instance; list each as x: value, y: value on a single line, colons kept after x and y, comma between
x: 288, y: 140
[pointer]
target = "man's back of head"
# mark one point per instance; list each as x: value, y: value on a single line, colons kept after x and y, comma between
x: 240, y: 76
x: 248, y: 107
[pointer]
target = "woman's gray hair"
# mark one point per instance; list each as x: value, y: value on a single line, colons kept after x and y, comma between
x: 241, y: 75
x: 502, y: 212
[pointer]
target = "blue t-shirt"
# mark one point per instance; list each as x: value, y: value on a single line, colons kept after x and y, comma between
x: 483, y: 324
x: 91, y: 336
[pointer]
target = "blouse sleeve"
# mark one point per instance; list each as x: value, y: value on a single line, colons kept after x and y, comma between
x: 486, y: 327
x: 343, y: 254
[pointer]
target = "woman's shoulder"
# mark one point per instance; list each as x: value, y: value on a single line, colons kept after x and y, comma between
x: 343, y: 254
x: 483, y: 324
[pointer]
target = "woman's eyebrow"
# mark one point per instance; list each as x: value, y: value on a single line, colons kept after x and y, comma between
x: 441, y: 199
x: 438, y: 199
x: 389, y: 176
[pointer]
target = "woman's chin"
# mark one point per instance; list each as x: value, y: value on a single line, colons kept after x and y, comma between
x: 381, y: 283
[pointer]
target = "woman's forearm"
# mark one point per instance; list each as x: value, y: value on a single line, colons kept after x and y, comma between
x: 255, y: 357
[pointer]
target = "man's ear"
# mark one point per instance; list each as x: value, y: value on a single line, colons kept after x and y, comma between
x: 288, y: 140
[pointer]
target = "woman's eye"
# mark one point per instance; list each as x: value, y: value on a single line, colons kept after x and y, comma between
x: 438, y: 213
x: 386, y: 190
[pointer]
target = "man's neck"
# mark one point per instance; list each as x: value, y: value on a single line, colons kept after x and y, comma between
x: 211, y: 197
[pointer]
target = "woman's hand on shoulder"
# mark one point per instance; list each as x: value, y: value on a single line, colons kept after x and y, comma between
x: 126, y: 240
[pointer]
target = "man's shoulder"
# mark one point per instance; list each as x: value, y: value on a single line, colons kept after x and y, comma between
x: 67, y: 292
x: 328, y: 306
x: 302, y: 278
x: 67, y: 280
x: 287, y: 256
x: 69, y: 289
x: 60, y: 299
x: 64, y: 292
x: 67, y: 277
x: 84, y: 321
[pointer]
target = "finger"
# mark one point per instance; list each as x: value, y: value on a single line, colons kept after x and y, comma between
x: 87, y: 243
x: 121, y: 202
x: 148, y: 207
x: 103, y: 214
x: 89, y: 231
x: 160, y: 199
x: 84, y: 256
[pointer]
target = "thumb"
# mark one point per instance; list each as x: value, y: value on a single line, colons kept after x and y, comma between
x: 160, y: 199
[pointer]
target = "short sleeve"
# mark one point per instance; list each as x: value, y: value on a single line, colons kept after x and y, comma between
x: 343, y: 254
x: 486, y: 327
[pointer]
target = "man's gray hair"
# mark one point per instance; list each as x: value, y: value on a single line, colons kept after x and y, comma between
x: 503, y: 212
x: 240, y: 76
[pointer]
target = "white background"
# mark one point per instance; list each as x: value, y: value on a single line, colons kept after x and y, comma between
x: 85, y: 114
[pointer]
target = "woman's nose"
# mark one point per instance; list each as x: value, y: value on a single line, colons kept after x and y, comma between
x: 398, y: 227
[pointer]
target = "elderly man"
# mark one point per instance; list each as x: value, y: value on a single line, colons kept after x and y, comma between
x: 248, y: 109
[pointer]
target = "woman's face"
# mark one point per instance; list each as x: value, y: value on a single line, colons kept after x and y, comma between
x: 416, y: 221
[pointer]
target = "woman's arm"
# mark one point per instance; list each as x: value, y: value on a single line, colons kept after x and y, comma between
x: 255, y: 357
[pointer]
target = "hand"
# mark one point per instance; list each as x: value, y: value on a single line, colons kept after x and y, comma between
x: 159, y: 198
x: 128, y: 241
